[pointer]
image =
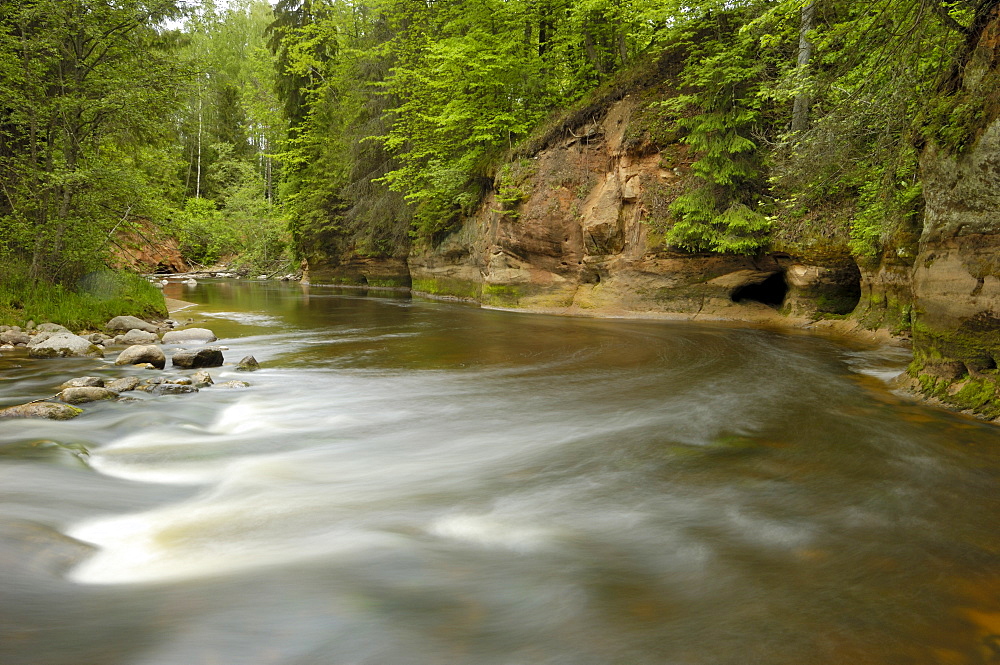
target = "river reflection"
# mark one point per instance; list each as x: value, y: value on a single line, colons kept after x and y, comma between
x: 414, y: 482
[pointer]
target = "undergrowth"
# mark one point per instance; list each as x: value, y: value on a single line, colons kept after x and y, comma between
x: 96, y: 298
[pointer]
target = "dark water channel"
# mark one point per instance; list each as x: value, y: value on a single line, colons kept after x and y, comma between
x: 411, y: 483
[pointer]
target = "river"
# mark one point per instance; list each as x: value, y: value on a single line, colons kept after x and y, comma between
x: 410, y: 482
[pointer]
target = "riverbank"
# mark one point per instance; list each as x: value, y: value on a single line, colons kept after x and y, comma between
x: 175, y: 305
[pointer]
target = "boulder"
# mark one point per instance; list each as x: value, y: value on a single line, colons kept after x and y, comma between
x: 63, y: 345
x: 189, y: 335
x: 84, y: 382
x: 14, y: 337
x: 209, y: 356
x: 123, y: 385
x: 142, y: 353
x: 98, y: 338
x: 136, y: 336
x: 239, y: 385
x: 49, y: 410
x: 52, y: 328
x: 86, y: 394
x: 202, y: 378
x: 248, y: 364
x: 171, y: 389
x: 126, y: 323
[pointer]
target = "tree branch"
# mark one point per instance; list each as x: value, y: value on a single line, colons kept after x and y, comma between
x: 947, y: 19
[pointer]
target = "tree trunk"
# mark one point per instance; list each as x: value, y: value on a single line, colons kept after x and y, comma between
x: 591, y: 50
x: 197, y: 187
x: 800, y: 109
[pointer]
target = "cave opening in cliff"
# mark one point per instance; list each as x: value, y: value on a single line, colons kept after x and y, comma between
x: 771, y: 291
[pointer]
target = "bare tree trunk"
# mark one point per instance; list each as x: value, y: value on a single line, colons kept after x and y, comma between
x: 197, y: 188
x: 800, y: 108
x: 591, y: 49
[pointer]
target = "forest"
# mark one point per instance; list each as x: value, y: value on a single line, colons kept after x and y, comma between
x: 257, y: 133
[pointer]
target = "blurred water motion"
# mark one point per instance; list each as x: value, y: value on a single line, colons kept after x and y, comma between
x: 416, y: 482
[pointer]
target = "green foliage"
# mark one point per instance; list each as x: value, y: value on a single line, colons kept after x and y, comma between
x: 203, y: 232
x: 86, y: 96
x: 95, y: 299
x: 513, y: 186
x: 879, y: 84
x: 721, y: 213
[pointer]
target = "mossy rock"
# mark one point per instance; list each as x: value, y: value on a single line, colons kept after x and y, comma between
x: 47, y: 410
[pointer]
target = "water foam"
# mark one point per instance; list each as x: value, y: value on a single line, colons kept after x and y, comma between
x: 491, y: 532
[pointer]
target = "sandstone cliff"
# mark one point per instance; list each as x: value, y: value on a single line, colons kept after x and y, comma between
x: 145, y: 248
x: 956, y: 276
x: 584, y: 237
x: 576, y: 227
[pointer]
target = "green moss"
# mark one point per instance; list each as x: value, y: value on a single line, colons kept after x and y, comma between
x: 885, y: 311
x: 501, y: 295
x: 448, y: 287
x: 389, y: 282
x: 343, y: 280
x: 978, y: 395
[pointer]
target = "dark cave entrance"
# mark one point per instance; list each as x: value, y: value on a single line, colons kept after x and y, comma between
x: 771, y: 291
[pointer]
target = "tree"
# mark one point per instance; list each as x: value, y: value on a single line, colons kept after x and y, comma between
x: 87, y: 90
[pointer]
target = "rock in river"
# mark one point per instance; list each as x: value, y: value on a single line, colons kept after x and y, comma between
x: 209, y: 356
x: 86, y: 394
x: 62, y: 345
x: 14, y: 337
x: 49, y: 410
x: 142, y: 353
x: 189, y: 335
x: 171, y: 389
x: 239, y: 385
x: 202, y: 378
x: 126, y: 323
x: 136, y: 336
x: 84, y: 382
x: 123, y: 385
x: 248, y: 364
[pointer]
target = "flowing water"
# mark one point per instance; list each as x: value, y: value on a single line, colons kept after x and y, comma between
x: 411, y: 483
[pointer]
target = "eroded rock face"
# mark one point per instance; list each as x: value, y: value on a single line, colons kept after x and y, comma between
x: 586, y: 240
x: 956, y: 277
x: 373, y: 272
x: 63, y: 345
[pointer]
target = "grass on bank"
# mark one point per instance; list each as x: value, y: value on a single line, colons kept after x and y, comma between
x: 95, y: 299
